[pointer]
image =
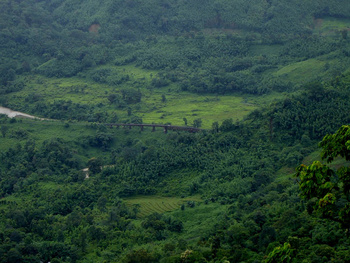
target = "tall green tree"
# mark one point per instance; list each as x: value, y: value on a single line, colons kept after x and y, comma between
x: 327, y: 189
x: 94, y: 165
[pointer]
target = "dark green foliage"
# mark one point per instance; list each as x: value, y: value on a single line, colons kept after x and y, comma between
x: 197, y: 123
x: 139, y: 256
x: 101, y: 140
x: 196, y: 47
x: 59, y: 68
x: 299, y: 116
x: 310, y: 48
x: 131, y: 95
x: 50, y: 210
x: 108, y: 75
x: 94, y: 165
x: 7, y: 74
x: 227, y: 125
x: 4, y: 130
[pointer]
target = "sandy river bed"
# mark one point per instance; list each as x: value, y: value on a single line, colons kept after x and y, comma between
x: 10, y: 113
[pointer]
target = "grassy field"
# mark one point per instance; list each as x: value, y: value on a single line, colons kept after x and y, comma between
x: 304, y: 71
x: 324, y: 67
x: 209, y: 108
x: 331, y: 26
x: 152, y: 109
x: 158, y: 204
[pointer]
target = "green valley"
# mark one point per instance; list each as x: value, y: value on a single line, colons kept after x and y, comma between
x: 266, y: 84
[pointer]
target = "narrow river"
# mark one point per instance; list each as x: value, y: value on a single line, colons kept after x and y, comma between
x: 10, y: 113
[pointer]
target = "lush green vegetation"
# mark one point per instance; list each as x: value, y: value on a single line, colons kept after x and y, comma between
x: 249, y: 205
x: 266, y: 79
x: 133, y: 60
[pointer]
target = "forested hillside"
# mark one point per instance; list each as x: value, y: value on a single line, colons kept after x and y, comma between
x: 127, y: 58
x: 265, y: 80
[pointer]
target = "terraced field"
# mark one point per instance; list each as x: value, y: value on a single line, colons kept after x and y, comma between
x: 157, y: 204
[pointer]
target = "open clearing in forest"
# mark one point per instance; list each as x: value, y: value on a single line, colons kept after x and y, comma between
x: 331, y: 26
x: 157, y: 204
x: 152, y: 108
x: 304, y: 71
x: 313, y: 69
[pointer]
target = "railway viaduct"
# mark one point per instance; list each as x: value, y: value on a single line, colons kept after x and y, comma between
x: 165, y: 127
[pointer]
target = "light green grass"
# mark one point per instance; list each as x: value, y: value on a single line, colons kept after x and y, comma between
x: 210, y: 108
x: 137, y: 73
x: 158, y: 204
x: 332, y: 25
x: 302, y: 72
x: 76, y: 89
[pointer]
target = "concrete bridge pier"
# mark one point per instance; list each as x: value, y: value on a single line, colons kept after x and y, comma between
x: 165, y: 129
x: 141, y: 128
x: 153, y: 128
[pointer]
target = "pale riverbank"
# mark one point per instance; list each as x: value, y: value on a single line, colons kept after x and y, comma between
x: 11, y: 113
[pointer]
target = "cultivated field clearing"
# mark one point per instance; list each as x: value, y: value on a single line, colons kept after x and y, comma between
x: 158, y: 204
x: 210, y: 108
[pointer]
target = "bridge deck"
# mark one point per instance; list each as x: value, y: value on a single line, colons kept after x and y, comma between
x: 164, y: 126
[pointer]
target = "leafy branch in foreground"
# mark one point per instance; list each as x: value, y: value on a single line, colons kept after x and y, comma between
x: 281, y: 254
x: 328, y: 190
